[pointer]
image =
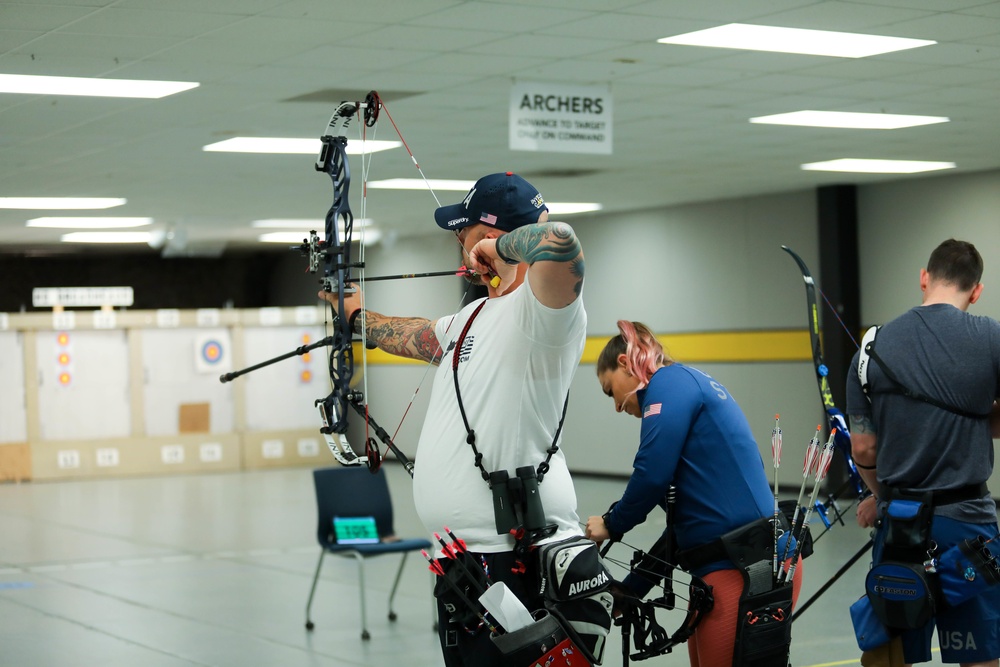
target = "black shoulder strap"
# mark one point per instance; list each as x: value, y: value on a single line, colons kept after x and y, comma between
x: 543, y: 467
x: 903, y: 390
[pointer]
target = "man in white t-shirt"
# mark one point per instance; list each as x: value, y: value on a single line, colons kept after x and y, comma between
x: 517, y: 352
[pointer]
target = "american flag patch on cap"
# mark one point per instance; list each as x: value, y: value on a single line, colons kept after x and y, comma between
x: 488, y: 219
x: 652, y: 409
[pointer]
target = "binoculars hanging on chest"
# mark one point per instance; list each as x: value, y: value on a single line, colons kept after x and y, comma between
x: 517, y: 502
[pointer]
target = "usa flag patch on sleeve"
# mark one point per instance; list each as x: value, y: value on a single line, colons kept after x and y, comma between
x: 652, y: 409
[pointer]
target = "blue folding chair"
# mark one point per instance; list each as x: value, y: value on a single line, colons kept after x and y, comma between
x: 355, y: 492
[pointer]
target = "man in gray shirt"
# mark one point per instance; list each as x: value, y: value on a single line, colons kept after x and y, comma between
x: 929, y: 428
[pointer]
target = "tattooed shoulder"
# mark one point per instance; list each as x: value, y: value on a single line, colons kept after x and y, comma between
x: 861, y: 424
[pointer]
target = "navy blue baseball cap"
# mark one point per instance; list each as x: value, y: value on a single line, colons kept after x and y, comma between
x: 505, y: 201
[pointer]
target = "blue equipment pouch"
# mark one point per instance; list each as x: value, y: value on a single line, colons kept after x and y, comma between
x: 908, y: 526
x: 868, y: 630
x: 966, y: 570
x: 901, y: 595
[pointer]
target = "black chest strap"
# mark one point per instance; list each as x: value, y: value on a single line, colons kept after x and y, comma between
x: 903, y: 390
x: 543, y: 467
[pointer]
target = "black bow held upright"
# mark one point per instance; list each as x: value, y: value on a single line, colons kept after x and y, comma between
x: 332, y: 254
x: 835, y: 417
x: 842, y: 437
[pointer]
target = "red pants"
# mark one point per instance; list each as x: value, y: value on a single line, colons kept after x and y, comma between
x: 713, y: 640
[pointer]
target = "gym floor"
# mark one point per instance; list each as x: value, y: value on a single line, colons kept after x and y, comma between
x: 214, y: 570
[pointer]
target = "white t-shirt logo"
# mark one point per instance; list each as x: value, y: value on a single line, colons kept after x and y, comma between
x: 463, y: 354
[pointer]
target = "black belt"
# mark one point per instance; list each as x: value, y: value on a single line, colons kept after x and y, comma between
x: 714, y: 551
x: 946, y: 496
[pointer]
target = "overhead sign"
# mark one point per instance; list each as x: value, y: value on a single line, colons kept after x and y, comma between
x: 81, y: 297
x: 560, y: 118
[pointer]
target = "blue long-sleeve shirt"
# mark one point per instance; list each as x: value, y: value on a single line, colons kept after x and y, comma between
x: 694, y: 436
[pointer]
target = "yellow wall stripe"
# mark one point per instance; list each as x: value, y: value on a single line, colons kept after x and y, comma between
x: 698, y: 347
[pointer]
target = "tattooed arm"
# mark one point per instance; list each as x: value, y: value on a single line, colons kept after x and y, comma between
x: 410, y: 337
x: 864, y: 445
x: 554, y: 257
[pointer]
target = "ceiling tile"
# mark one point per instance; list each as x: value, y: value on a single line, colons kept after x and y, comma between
x: 929, y: 5
x: 382, y: 11
x: 879, y: 90
x: 717, y: 11
x: 115, y: 21
x: 947, y: 27
x: 54, y: 46
x: 197, y: 7
x: 40, y: 17
x: 986, y: 9
x: 843, y: 16
x: 945, y: 54
x: 627, y: 26
x: 408, y: 37
x: 500, y: 17
x: 547, y: 47
x: 14, y: 39
x: 951, y: 77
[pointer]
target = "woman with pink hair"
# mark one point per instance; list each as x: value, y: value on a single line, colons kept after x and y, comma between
x: 696, y: 439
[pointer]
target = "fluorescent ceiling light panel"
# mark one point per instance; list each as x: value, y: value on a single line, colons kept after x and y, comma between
x: 295, y: 238
x: 848, y: 119
x: 863, y: 166
x: 569, y: 208
x: 795, y: 40
x: 555, y: 208
x: 107, y: 237
x: 87, y: 87
x: 421, y: 184
x: 89, y: 223
x: 301, y: 223
x: 60, y: 203
x: 292, y: 146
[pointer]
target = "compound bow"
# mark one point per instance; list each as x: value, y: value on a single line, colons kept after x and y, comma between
x: 638, y: 619
x: 333, y: 254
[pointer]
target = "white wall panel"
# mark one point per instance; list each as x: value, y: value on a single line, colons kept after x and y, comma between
x: 13, y: 418
x: 172, y: 378
x: 94, y: 403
